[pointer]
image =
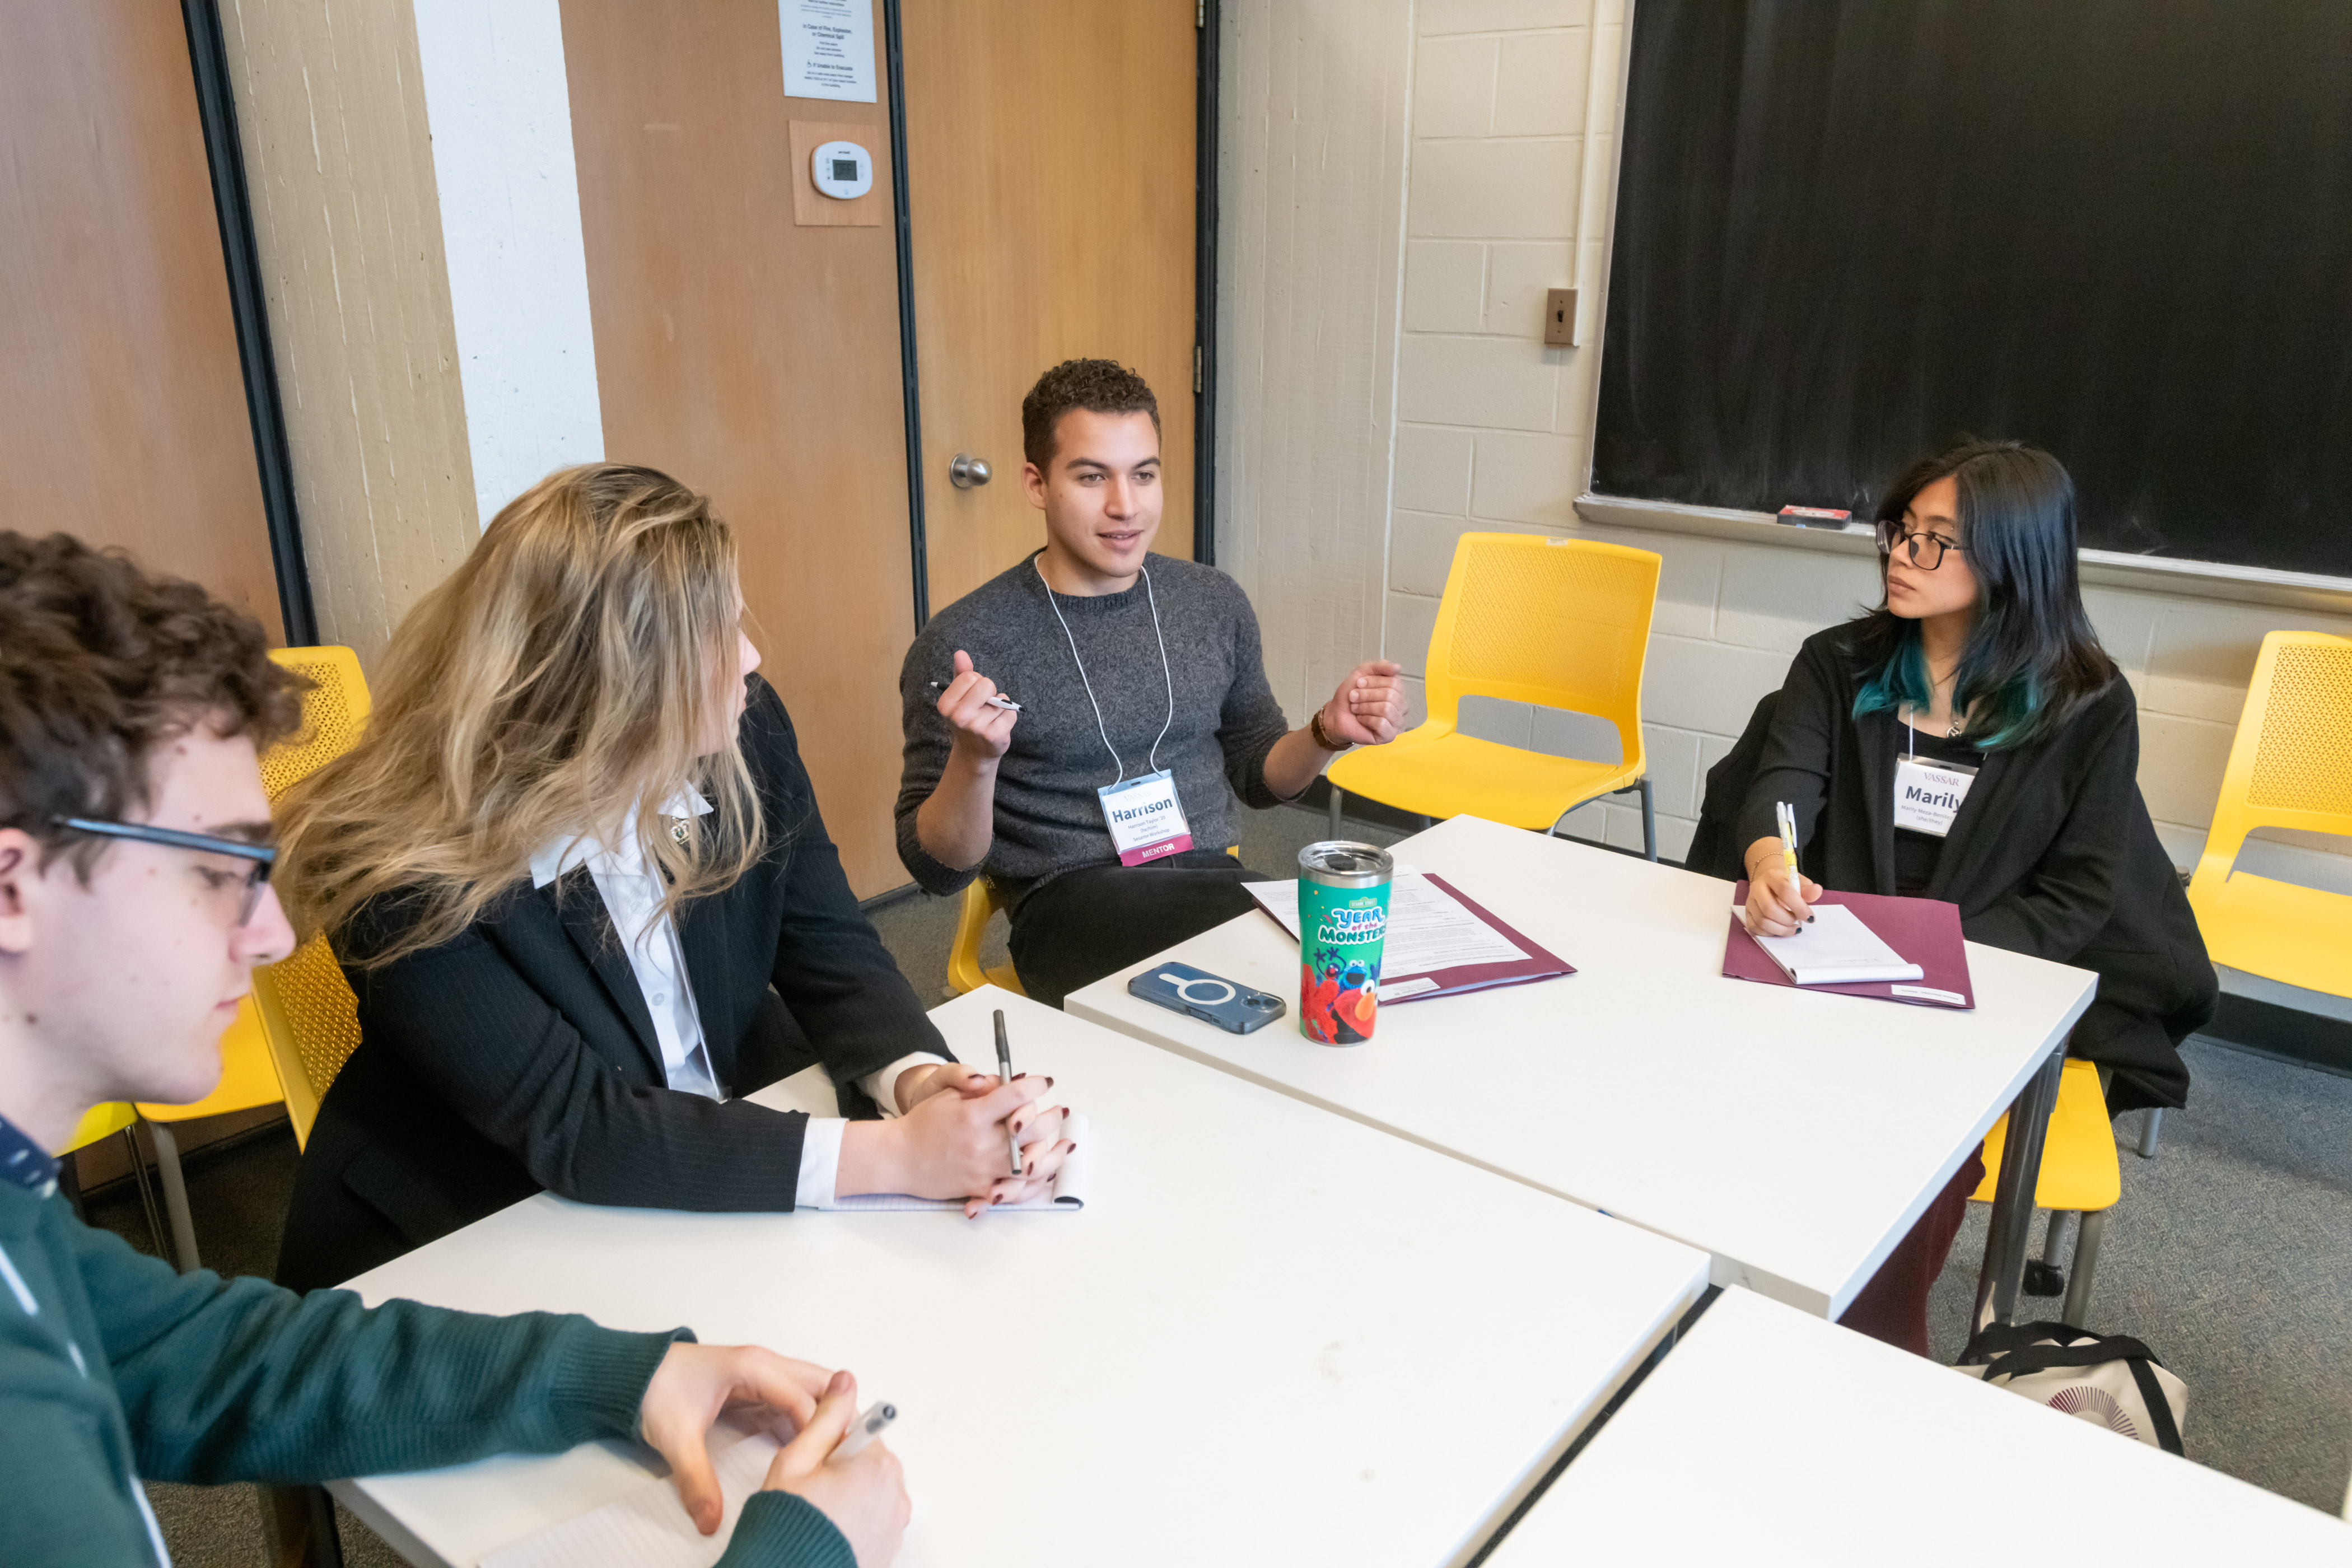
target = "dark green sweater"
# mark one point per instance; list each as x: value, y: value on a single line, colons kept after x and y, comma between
x: 113, y: 1367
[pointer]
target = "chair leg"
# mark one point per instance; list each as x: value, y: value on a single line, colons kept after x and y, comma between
x: 2086, y: 1263
x: 1648, y: 821
x: 1335, y: 810
x: 2147, y: 1132
x: 2054, y: 1241
x: 146, y: 1188
x: 299, y: 1523
x: 175, y: 1198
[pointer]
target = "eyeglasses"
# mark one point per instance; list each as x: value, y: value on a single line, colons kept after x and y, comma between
x: 262, y: 856
x: 1894, y: 536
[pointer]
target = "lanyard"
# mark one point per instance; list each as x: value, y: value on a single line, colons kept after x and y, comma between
x: 1165, y: 673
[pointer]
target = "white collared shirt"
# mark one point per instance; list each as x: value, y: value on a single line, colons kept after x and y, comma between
x: 633, y: 893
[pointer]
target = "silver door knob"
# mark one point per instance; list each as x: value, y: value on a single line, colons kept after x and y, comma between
x: 967, y: 471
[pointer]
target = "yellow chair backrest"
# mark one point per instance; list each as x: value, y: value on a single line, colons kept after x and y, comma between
x: 2291, y: 765
x: 308, y: 1011
x: 1560, y: 622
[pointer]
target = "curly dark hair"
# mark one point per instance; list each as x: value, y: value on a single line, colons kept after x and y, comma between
x: 1096, y: 386
x: 101, y: 663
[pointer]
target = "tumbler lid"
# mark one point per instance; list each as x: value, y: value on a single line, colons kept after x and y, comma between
x: 1342, y: 863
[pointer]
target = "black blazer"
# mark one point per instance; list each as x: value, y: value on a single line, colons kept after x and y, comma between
x: 2051, y: 854
x: 519, y: 1055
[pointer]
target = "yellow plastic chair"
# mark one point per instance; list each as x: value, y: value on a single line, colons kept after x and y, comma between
x: 248, y: 1081
x: 2080, y: 1174
x: 308, y: 1014
x: 981, y: 903
x: 2291, y: 766
x: 1559, y: 623
x: 262, y: 1062
x: 101, y: 1122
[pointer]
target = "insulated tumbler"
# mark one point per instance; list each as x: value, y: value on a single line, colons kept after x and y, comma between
x: 1343, y: 922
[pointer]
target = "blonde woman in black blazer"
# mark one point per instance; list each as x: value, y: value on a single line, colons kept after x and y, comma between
x: 576, y: 875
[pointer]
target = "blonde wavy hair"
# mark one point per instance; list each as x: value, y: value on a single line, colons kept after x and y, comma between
x: 562, y: 675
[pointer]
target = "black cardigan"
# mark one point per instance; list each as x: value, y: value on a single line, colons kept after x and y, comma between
x: 2053, y: 854
x: 520, y: 1055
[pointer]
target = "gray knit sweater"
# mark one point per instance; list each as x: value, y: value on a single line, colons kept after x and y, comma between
x: 1048, y: 818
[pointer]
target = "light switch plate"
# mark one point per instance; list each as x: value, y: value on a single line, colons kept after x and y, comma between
x: 1559, y: 318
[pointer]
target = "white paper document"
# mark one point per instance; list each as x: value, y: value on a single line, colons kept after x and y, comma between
x: 1835, y: 949
x: 1428, y: 929
x: 1068, y: 1195
x: 648, y: 1527
x: 828, y: 48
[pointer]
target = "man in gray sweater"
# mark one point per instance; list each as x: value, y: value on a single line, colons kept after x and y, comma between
x: 1080, y: 728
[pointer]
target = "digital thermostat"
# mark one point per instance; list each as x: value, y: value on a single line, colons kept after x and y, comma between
x: 842, y: 169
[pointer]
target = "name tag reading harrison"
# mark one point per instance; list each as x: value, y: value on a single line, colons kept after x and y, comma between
x: 1146, y: 819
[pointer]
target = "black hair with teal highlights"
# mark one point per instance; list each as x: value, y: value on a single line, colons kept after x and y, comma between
x: 2032, y: 661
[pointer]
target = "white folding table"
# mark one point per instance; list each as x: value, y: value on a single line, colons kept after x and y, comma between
x: 1794, y: 1135
x: 1274, y: 1336
x: 1769, y: 1436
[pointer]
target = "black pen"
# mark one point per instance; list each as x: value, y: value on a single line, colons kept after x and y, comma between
x: 1004, y: 1067
x: 999, y: 701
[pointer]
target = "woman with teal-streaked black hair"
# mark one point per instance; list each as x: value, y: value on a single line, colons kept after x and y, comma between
x: 1981, y: 666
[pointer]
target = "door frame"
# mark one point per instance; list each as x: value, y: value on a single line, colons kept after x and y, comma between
x: 1204, y: 294
x: 249, y: 309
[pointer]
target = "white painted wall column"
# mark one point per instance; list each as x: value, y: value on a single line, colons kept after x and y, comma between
x: 499, y: 109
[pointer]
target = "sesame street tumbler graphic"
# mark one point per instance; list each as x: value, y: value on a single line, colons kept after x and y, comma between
x: 1343, y: 923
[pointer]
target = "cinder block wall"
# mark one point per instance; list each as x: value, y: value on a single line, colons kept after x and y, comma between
x: 1509, y: 144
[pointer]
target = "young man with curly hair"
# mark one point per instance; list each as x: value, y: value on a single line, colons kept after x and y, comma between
x: 1104, y: 804
x: 134, y: 903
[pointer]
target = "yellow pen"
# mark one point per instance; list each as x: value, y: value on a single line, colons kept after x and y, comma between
x: 1788, y: 816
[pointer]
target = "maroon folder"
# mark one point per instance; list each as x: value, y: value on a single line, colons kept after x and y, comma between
x: 1926, y: 931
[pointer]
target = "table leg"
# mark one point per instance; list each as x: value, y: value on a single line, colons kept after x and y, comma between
x: 2012, y: 1196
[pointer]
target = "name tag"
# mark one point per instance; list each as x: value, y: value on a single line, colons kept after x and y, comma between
x: 1927, y: 794
x: 1146, y: 819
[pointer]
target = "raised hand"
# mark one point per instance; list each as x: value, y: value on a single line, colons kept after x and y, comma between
x: 1369, y: 706
x: 982, y: 731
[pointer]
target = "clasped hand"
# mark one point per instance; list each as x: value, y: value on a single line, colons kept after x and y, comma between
x: 951, y: 1142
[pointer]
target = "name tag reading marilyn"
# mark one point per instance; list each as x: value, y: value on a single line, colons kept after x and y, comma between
x: 1146, y: 819
x: 1927, y: 794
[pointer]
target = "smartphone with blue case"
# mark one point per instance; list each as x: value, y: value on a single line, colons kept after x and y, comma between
x: 1211, y: 998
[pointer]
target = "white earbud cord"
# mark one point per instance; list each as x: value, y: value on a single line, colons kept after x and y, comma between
x: 1166, y: 673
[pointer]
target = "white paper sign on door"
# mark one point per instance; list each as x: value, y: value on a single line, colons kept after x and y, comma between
x: 828, y: 48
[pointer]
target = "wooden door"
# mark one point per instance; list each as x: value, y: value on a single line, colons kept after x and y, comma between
x: 757, y: 360
x: 1050, y: 183
x: 122, y: 413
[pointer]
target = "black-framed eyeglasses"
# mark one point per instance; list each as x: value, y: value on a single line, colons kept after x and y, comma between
x: 1894, y: 536
x: 262, y: 856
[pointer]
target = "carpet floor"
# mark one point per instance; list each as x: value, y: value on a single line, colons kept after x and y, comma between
x: 2231, y: 1254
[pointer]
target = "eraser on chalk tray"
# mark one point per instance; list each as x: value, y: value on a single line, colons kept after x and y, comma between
x: 1816, y: 516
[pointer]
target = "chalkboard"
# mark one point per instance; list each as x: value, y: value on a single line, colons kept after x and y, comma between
x: 1850, y: 230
